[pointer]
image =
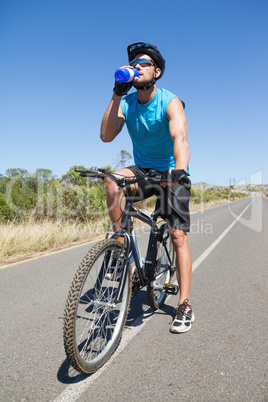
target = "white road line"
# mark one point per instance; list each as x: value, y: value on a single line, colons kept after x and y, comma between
x: 217, y: 241
x: 73, y: 391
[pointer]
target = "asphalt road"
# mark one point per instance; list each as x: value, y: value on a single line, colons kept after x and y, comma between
x: 222, y: 358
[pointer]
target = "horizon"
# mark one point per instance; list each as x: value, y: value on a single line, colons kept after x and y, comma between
x: 232, y: 182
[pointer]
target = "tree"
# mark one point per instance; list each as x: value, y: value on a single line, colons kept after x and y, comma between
x: 13, y: 172
x: 45, y: 175
x: 73, y: 178
x: 123, y: 159
x: 6, y: 213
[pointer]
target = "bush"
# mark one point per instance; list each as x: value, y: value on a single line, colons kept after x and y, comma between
x: 196, y: 196
x: 238, y: 195
x: 222, y: 195
x: 6, y: 213
x: 19, y: 197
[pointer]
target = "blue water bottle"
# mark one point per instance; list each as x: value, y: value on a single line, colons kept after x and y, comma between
x: 126, y: 74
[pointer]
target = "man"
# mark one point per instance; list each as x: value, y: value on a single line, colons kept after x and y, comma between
x: 157, y: 125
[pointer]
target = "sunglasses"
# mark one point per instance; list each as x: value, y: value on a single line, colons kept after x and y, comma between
x: 140, y: 45
x: 142, y: 63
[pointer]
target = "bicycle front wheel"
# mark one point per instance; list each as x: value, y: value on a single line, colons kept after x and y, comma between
x: 93, y: 319
x: 161, y: 267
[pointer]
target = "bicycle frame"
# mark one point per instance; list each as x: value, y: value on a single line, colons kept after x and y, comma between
x: 130, y: 245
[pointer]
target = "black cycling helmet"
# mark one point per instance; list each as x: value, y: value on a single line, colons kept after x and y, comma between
x: 151, y: 50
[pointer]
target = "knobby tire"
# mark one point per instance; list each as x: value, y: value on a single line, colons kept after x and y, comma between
x: 93, y: 324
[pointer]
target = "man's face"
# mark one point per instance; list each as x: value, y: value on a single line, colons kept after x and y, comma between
x: 146, y: 74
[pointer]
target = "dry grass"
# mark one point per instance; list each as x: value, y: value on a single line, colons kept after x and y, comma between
x: 22, y: 241
x: 211, y: 204
x: 18, y: 242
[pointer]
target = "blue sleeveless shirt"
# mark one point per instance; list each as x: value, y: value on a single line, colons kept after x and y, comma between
x: 148, y: 127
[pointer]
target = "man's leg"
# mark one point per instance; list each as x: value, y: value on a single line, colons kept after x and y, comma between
x: 184, y: 316
x: 116, y: 204
x: 116, y: 199
x: 183, y: 263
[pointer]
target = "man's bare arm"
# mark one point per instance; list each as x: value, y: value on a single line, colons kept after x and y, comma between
x: 113, y: 120
x: 178, y: 133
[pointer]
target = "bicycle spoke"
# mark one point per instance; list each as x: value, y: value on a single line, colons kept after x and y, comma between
x: 160, y: 269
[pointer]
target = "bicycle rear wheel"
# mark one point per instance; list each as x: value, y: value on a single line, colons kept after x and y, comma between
x: 93, y: 322
x: 161, y: 269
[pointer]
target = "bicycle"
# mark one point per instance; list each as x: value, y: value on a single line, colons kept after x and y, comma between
x: 99, y: 297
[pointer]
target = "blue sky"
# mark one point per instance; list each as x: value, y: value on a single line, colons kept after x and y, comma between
x: 57, y: 64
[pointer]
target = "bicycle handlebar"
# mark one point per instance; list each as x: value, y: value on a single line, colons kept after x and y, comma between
x: 152, y: 176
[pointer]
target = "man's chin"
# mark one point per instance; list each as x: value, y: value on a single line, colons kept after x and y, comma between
x: 141, y: 85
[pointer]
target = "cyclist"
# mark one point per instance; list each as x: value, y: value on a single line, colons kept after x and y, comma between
x: 157, y: 125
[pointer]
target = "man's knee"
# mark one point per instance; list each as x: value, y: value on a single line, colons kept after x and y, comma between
x: 179, y: 238
x: 112, y: 188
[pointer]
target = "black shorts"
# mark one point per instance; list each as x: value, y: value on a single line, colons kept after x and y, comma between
x: 174, y: 200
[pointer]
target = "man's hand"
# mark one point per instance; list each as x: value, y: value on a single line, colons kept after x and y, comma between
x: 122, y: 88
x: 177, y: 176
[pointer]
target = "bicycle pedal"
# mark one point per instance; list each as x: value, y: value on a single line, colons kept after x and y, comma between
x: 170, y: 288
